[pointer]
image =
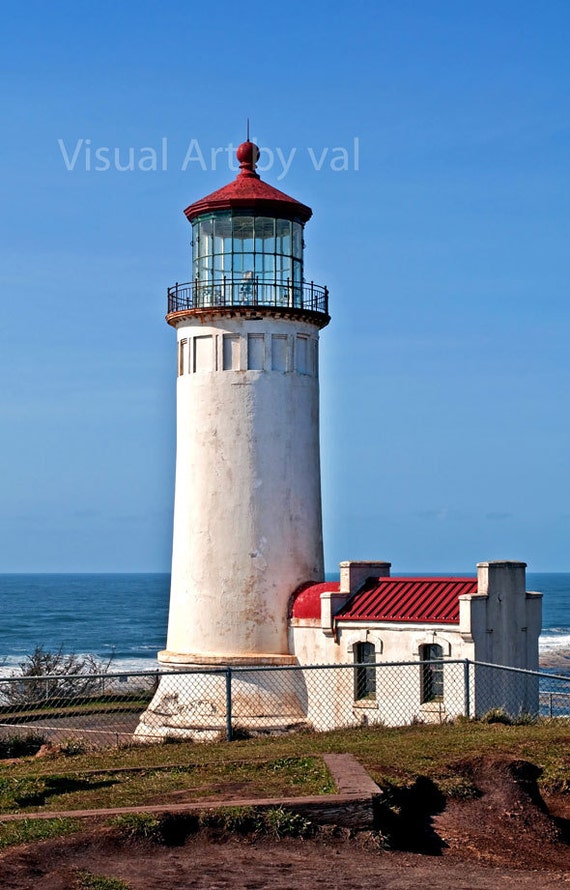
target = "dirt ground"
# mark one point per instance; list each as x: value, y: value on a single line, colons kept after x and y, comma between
x: 204, y: 864
x: 507, y: 836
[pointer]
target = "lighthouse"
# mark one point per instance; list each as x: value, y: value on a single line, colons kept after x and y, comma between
x: 253, y: 625
x: 247, y: 508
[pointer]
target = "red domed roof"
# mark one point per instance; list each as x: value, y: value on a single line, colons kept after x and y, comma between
x: 248, y: 192
x: 306, y: 601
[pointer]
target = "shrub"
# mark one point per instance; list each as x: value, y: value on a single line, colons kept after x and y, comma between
x: 497, y: 715
x: 45, y: 676
x: 73, y: 746
x: 280, y: 822
x: 21, y: 745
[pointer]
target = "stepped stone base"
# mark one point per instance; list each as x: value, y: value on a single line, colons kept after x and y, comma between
x: 195, y: 705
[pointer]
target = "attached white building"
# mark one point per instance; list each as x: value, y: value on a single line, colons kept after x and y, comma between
x: 370, y: 617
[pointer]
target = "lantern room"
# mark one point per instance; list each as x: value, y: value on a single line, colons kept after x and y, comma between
x: 244, y: 251
x: 247, y: 250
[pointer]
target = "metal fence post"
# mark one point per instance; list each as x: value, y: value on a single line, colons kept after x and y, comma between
x: 229, y: 733
x: 466, y: 685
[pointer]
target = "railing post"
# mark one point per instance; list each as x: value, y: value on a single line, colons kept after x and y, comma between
x: 229, y: 733
x: 467, y: 694
x: 550, y: 711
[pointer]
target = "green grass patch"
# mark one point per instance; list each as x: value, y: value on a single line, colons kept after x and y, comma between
x: 174, y: 828
x: 27, y: 790
x: 86, y: 880
x: 25, y: 831
x: 279, y: 766
x: 30, y: 713
x: 138, y: 826
x: 77, y: 702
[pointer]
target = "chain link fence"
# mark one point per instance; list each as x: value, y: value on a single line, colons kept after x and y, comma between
x: 233, y: 702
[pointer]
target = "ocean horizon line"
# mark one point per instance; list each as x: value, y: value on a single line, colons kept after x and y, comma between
x: 328, y: 574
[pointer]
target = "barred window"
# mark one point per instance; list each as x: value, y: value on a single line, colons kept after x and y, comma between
x: 365, y: 677
x: 431, y: 673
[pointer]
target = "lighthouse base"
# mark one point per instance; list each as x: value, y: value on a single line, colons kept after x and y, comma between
x: 209, y: 700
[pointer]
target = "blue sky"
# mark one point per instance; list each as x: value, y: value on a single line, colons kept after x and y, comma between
x: 444, y: 242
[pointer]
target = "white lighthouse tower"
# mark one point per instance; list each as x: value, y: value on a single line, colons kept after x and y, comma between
x: 247, y: 513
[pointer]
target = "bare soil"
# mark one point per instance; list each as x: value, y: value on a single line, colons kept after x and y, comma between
x: 507, y: 836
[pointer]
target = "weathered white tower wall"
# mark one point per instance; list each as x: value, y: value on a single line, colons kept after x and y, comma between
x: 247, y: 512
x: 247, y: 515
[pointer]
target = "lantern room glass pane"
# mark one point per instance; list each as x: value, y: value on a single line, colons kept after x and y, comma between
x: 283, y: 236
x: 283, y: 267
x: 264, y: 234
x: 243, y: 234
x: 206, y: 234
x: 222, y: 233
x: 297, y: 240
x: 204, y: 267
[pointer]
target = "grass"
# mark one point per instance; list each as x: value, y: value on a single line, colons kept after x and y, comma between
x: 86, y: 880
x: 278, y: 766
x: 28, y: 713
x: 27, y: 830
x: 28, y: 789
x: 174, y: 829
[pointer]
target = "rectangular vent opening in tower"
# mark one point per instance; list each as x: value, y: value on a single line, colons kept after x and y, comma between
x: 203, y: 354
x: 279, y: 352
x: 302, y: 364
x: 231, y: 352
x: 255, y: 352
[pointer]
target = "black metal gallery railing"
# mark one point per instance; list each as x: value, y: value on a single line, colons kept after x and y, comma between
x: 243, y: 291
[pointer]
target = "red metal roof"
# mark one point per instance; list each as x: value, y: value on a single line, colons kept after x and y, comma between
x: 424, y: 600
x: 306, y: 602
x: 247, y: 191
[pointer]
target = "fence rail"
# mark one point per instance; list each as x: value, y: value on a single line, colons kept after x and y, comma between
x: 225, y: 701
x: 256, y: 291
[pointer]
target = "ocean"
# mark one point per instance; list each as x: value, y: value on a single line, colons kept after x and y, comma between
x: 125, y: 616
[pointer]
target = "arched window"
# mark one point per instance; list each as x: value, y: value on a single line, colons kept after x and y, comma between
x: 431, y: 656
x: 365, y: 677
